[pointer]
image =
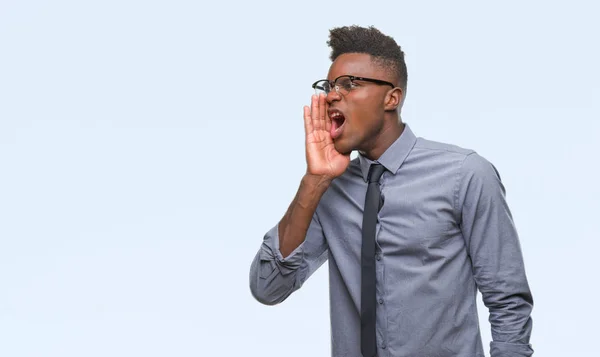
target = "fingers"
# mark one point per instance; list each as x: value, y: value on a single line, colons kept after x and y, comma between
x: 316, y: 117
x: 322, y: 110
x: 314, y: 106
x: 326, y: 118
x: 308, y: 126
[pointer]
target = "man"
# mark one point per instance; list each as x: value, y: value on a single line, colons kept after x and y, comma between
x: 411, y: 228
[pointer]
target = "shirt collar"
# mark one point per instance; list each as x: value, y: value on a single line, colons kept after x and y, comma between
x: 394, y: 156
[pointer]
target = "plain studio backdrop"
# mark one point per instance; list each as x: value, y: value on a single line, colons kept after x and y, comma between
x: 147, y: 146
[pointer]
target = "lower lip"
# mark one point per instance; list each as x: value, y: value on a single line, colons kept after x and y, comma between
x: 337, y: 131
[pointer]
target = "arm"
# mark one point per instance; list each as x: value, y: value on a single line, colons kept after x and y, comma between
x: 498, y: 267
x: 295, y: 223
x: 293, y: 249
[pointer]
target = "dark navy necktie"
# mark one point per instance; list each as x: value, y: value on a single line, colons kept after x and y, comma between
x: 368, y: 337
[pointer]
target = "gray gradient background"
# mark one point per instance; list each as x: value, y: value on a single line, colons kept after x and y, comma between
x: 146, y: 147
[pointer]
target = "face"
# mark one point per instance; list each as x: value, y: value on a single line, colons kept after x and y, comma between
x: 361, y: 116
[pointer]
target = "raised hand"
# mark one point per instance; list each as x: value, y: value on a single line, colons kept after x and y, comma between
x: 321, y: 156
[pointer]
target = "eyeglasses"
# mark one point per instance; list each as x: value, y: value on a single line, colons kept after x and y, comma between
x: 344, y: 84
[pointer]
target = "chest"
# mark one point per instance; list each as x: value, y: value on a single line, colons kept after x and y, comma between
x: 418, y: 215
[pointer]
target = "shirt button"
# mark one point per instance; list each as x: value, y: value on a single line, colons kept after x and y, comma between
x: 378, y: 256
x: 380, y: 301
x: 383, y: 346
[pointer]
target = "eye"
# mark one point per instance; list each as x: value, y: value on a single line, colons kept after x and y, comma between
x: 347, y: 84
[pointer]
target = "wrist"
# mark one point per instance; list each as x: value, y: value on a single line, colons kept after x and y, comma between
x: 313, y: 180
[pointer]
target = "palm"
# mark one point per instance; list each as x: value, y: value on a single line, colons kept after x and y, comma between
x: 321, y: 156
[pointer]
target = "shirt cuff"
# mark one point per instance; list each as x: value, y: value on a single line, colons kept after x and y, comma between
x: 270, y: 252
x: 506, y: 349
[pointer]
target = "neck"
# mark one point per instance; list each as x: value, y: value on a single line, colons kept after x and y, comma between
x: 384, y: 139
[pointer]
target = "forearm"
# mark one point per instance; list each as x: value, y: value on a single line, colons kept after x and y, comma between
x: 506, y: 293
x: 274, y: 277
x: 294, y: 224
x: 511, y: 324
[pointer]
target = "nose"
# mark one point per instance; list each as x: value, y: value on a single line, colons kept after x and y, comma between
x: 332, y: 96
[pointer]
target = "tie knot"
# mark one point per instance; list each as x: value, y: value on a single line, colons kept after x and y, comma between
x: 375, y: 172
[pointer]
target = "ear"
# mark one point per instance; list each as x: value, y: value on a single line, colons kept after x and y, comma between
x: 394, y: 99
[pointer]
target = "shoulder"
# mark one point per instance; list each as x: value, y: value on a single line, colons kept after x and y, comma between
x: 441, y: 148
x: 479, y: 175
x: 436, y: 155
x: 478, y: 165
x: 467, y: 160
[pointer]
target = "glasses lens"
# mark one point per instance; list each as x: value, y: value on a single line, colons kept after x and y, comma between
x: 322, y: 87
x: 343, y: 85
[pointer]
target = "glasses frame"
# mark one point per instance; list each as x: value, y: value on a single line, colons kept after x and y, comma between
x: 352, y: 78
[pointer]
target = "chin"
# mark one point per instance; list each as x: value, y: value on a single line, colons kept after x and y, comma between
x: 342, y: 147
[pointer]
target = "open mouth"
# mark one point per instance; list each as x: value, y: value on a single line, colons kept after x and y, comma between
x: 337, y: 122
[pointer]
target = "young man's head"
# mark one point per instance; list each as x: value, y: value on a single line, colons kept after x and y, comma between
x: 364, y: 108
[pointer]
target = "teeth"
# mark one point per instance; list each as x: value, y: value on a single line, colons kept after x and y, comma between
x: 335, y: 115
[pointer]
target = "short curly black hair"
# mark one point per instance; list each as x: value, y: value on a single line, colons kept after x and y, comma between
x: 383, y: 48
